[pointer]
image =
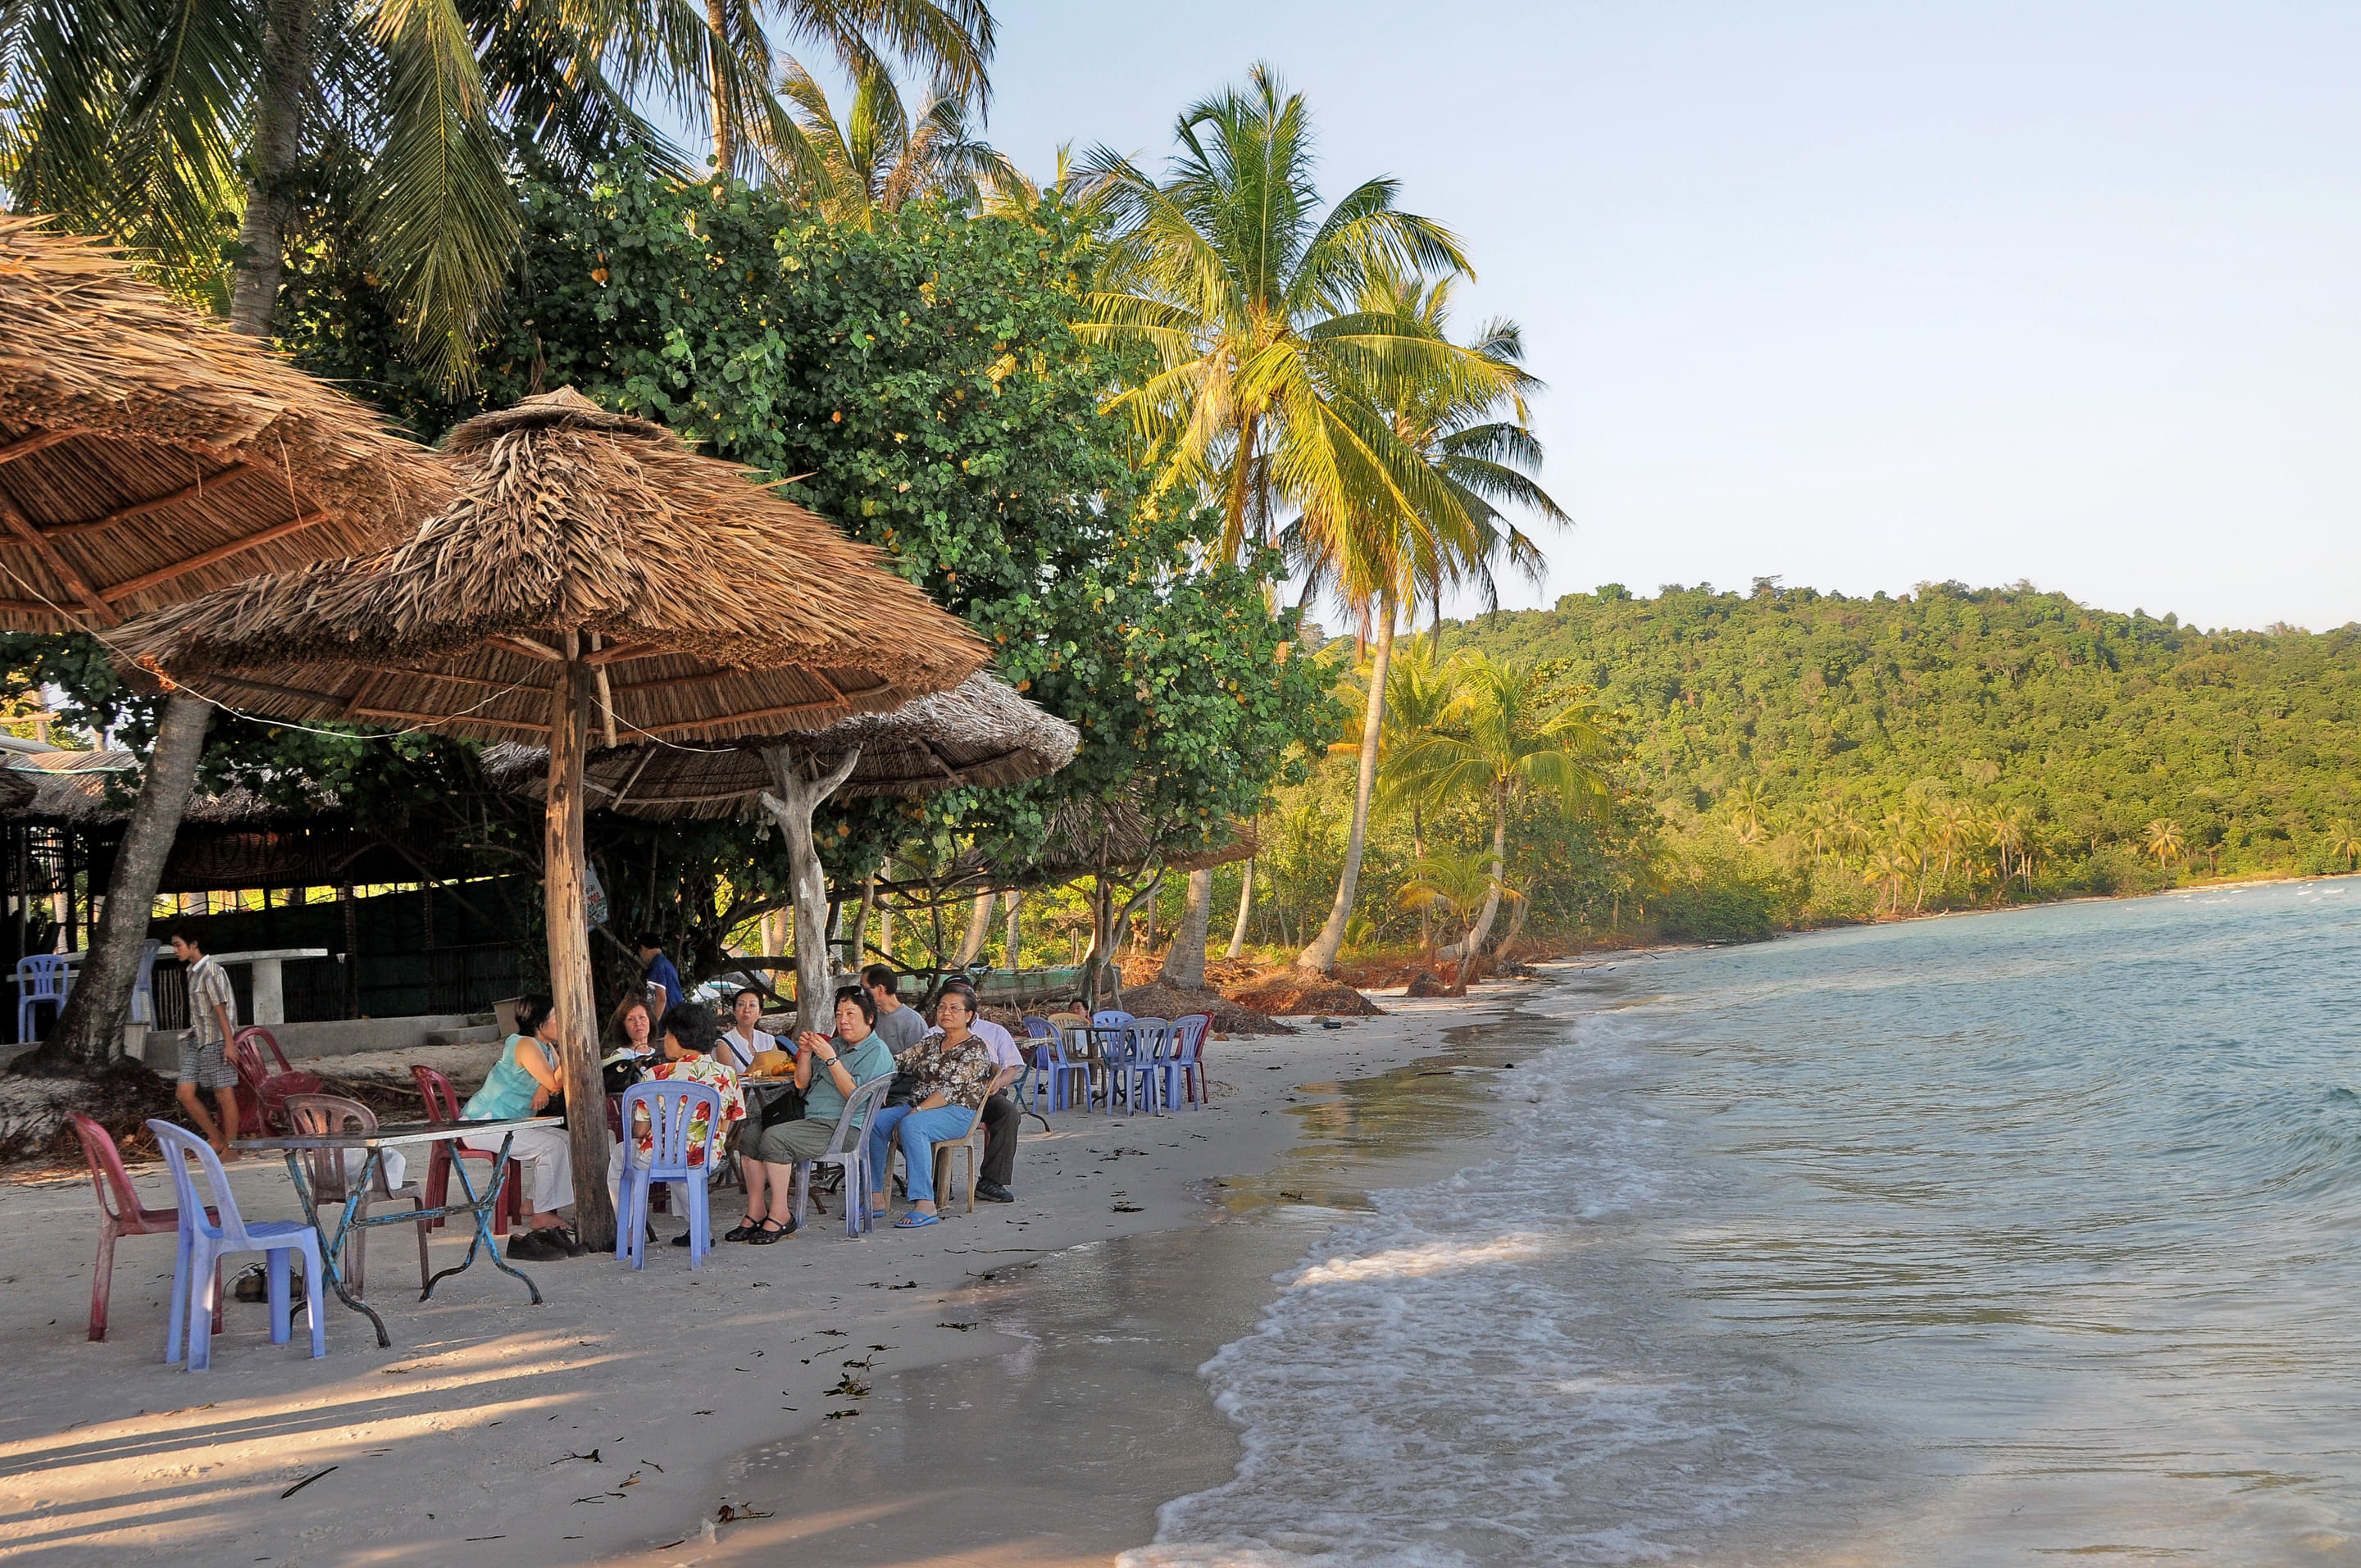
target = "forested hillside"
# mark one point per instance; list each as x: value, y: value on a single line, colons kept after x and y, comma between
x: 2121, y: 748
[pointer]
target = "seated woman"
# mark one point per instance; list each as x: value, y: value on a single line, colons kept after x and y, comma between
x: 628, y: 1046
x: 827, y: 1069
x: 686, y: 1053
x: 521, y: 1083
x: 953, y: 1074
x: 745, y: 1036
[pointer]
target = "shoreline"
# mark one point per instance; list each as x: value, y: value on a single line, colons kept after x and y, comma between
x: 667, y: 1377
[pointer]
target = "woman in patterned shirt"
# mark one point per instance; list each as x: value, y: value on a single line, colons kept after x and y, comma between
x: 689, y: 1036
x: 952, y: 1075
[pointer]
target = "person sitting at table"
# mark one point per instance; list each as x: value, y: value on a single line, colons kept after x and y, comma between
x: 629, y: 1048
x: 688, y: 1054
x: 952, y: 1075
x: 745, y: 1036
x: 827, y: 1069
x: 521, y: 1083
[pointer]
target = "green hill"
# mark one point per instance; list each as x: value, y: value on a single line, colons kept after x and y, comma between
x: 1792, y: 733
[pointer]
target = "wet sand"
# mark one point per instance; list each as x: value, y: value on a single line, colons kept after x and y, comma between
x: 1058, y: 1447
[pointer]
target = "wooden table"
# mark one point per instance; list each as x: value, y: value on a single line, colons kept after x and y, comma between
x: 332, y: 1241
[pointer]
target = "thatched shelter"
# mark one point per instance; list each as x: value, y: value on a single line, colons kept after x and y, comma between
x: 702, y: 606
x: 148, y: 452
x: 592, y: 571
x: 978, y: 733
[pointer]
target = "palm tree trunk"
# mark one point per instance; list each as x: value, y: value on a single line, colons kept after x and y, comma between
x: 1483, y: 928
x: 1245, y: 907
x: 91, y: 1026
x: 725, y: 132
x: 278, y: 143
x: 979, y: 929
x: 1418, y: 851
x: 1184, y: 962
x: 1233, y: 526
x: 1320, y: 957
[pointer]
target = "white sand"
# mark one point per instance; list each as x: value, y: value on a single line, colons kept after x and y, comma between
x: 470, y: 1441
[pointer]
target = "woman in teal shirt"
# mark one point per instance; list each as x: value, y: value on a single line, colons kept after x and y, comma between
x: 520, y: 1084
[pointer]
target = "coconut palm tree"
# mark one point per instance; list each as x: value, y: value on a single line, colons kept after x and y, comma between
x: 147, y: 121
x: 1453, y: 883
x: 1746, y: 809
x: 2162, y: 838
x: 2345, y: 843
x: 884, y: 154
x: 1502, y: 738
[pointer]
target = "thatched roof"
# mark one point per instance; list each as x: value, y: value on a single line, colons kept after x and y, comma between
x: 67, y: 789
x: 719, y: 609
x: 148, y: 454
x: 979, y: 732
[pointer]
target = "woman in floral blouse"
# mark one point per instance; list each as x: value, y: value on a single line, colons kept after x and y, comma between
x: 952, y: 1074
x: 689, y: 1035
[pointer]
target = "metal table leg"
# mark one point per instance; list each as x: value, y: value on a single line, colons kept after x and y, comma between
x: 481, y: 1208
x: 331, y: 1247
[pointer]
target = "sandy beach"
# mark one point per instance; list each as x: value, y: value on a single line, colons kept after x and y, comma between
x: 668, y: 1416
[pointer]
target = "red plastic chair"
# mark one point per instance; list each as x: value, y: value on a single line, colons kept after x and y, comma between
x: 125, y: 1215
x: 265, y: 1090
x: 442, y: 1107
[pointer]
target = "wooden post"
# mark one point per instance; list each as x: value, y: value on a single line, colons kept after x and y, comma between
x: 568, y: 918
x: 792, y: 799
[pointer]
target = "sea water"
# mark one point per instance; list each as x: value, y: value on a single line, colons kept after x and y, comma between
x: 1982, y: 1240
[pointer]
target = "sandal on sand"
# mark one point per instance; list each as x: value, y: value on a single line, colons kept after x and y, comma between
x: 743, y: 1231
x: 764, y: 1235
x: 916, y: 1220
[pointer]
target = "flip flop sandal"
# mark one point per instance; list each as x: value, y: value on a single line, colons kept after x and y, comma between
x: 764, y: 1235
x: 914, y: 1221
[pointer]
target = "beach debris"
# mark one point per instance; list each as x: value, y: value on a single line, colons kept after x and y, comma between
x: 838, y: 1334
x: 849, y: 1387
x: 592, y: 1456
x: 409, y: 1368
x: 305, y: 1482
x: 962, y: 1327
x: 1127, y: 1209
x: 839, y: 1415
x: 911, y: 1284
x: 732, y: 1515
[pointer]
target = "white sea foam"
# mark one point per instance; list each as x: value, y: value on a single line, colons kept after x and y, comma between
x: 1469, y: 1377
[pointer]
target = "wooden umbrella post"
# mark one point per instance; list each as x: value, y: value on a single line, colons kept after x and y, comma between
x: 792, y: 799
x: 569, y: 951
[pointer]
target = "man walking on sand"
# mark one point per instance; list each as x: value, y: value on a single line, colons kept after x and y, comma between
x: 205, y: 1049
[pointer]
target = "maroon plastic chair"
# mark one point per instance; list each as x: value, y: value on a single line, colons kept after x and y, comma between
x: 333, y: 1113
x: 267, y: 1088
x: 121, y: 1213
x: 442, y: 1107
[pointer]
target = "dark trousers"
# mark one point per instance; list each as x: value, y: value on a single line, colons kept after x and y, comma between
x: 1000, y: 1119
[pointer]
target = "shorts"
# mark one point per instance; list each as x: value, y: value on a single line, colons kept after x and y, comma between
x: 205, y: 1063
x: 793, y: 1143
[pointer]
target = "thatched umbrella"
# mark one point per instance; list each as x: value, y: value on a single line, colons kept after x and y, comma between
x: 148, y: 454
x: 979, y: 732
x: 592, y: 569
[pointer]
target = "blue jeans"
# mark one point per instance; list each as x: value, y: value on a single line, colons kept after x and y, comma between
x: 919, y: 1131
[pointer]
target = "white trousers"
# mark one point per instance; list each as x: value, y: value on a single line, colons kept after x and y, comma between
x: 548, y: 1164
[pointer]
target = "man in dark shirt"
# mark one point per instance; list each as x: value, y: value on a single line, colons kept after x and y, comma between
x: 899, y: 1026
x: 659, y: 970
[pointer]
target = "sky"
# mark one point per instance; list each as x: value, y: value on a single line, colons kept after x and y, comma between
x: 1856, y: 295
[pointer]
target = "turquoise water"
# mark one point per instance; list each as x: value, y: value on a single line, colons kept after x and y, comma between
x: 1985, y: 1240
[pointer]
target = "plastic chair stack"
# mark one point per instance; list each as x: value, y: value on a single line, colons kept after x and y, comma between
x: 442, y: 1109
x: 1138, y: 1072
x: 40, y: 978
x: 209, y: 1235
x: 331, y: 1187
x: 1183, y: 1066
x: 848, y: 1148
x: 672, y: 1107
x: 124, y: 1215
x: 267, y: 1084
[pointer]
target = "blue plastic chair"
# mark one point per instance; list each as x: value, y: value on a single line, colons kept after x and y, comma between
x: 40, y: 977
x: 203, y: 1244
x: 1112, y: 1050
x: 1058, y: 1073
x: 672, y: 1107
x: 143, y: 990
x: 1182, y: 1075
x: 847, y: 1148
x: 1140, y: 1071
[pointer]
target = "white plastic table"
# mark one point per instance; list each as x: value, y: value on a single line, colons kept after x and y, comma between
x: 269, y: 979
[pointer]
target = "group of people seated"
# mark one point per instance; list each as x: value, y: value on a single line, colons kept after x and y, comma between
x: 943, y: 1080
